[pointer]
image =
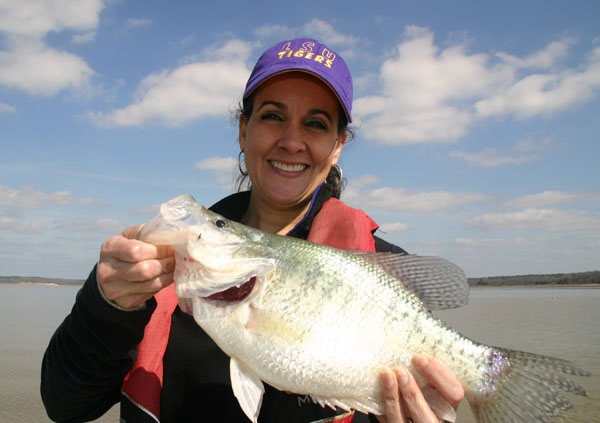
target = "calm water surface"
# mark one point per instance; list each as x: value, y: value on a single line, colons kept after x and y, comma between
x: 519, y: 318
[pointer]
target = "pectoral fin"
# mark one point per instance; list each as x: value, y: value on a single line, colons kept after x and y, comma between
x: 442, y: 409
x: 247, y: 388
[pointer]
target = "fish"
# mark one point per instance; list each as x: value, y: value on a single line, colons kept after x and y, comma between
x: 323, y: 322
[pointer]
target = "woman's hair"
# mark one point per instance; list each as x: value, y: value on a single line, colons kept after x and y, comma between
x: 334, y: 178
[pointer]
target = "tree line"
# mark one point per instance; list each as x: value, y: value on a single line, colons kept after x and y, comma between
x: 579, y: 278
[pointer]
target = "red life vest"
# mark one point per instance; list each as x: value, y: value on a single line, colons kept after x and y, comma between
x: 336, y: 225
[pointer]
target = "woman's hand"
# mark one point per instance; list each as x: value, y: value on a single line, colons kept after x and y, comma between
x: 130, y: 272
x: 403, y: 397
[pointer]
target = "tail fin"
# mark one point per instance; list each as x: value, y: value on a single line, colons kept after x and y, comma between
x: 528, y: 389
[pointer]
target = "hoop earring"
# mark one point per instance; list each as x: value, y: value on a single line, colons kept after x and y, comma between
x: 341, y: 173
x: 240, y: 168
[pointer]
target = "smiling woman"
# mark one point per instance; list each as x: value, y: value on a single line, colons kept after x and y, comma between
x: 290, y: 142
x: 292, y: 129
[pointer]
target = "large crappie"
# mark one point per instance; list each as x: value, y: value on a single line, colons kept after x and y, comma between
x: 315, y: 320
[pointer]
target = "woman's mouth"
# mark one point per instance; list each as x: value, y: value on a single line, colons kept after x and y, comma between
x: 292, y: 168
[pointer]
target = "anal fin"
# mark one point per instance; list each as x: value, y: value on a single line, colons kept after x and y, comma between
x: 247, y: 388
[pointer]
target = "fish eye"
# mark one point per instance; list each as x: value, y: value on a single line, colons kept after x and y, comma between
x: 220, y: 223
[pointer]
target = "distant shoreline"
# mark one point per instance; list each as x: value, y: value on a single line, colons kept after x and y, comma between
x: 555, y: 280
x: 588, y: 285
x: 40, y: 283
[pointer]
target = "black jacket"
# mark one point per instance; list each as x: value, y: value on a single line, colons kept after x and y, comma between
x: 94, y: 348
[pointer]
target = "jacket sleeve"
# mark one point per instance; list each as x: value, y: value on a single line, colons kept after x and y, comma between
x: 89, y: 355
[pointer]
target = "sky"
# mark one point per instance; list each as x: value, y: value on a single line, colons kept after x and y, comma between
x: 477, y: 123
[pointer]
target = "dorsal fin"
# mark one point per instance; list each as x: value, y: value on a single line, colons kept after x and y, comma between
x: 437, y: 282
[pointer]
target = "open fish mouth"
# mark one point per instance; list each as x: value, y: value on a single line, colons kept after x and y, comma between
x: 235, y: 293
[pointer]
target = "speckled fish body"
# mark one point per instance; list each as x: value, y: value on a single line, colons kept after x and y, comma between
x: 314, y: 320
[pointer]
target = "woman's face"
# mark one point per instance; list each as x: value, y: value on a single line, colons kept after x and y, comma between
x: 291, y: 140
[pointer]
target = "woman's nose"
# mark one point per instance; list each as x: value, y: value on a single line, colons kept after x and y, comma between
x: 292, y: 139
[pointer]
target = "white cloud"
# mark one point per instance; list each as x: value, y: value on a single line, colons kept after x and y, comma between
x: 543, y: 59
x: 319, y: 29
x: 327, y: 33
x: 35, y: 18
x: 543, y: 94
x: 190, y: 92
x: 138, y: 22
x: 100, y: 226
x: 405, y: 200
x: 434, y: 94
x: 497, y: 242
x: 532, y: 145
x: 490, y: 158
x: 15, y: 225
x: 393, y: 227
x: 220, y: 164
x: 84, y: 38
x: 4, y: 107
x: 38, y: 69
x: 224, y: 169
x: 30, y: 198
x: 146, y: 211
x: 27, y: 63
x: 549, y: 198
x: 532, y: 218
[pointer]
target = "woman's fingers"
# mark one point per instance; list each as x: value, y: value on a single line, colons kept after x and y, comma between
x: 130, y: 271
x: 403, y: 398
x: 440, y: 378
x: 394, y: 411
x: 412, y: 397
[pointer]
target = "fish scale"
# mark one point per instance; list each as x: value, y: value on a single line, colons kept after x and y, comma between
x: 325, y: 322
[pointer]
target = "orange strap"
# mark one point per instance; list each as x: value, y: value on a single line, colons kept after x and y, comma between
x: 143, y: 384
x: 340, y: 226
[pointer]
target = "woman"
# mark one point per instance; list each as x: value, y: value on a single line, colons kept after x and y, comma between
x: 292, y: 129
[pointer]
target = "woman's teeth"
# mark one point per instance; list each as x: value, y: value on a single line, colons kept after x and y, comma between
x: 288, y: 168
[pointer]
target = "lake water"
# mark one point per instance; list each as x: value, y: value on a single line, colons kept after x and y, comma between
x: 562, y: 322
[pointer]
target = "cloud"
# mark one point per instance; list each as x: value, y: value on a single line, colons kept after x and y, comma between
x: 543, y: 59
x: 100, y: 226
x: 497, y: 242
x: 35, y: 18
x: 33, y: 67
x: 84, y: 38
x: 430, y: 94
x: 187, y: 93
x: 533, y: 218
x: 544, y: 94
x: 393, y: 227
x: 490, y: 158
x: 138, y: 22
x: 7, y: 108
x: 146, y: 211
x: 323, y: 30
x: 30, y: 198
x: 531, y: 145
x: 549, y: 198
x: 224, y: 169
x: 15, y: 225
x: 407, y: 201
x: 27, y: 63
x: 318, y: 28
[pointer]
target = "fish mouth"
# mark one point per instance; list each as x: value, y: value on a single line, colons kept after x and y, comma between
x: 235, y: 293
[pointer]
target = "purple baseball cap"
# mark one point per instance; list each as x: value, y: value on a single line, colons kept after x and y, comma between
x: 305, y: 55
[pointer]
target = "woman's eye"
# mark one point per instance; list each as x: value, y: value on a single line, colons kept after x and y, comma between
x: 317, y: 124
x: 271, y: 116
